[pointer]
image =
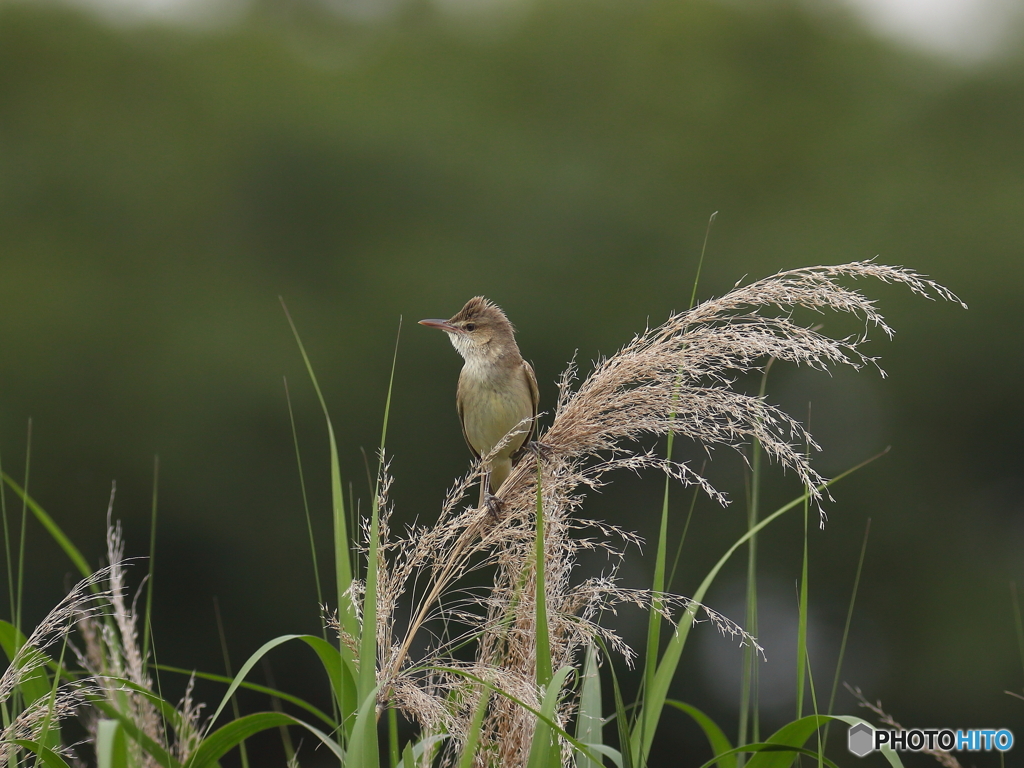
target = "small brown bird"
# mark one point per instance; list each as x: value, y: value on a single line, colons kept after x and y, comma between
x: 497, y: 389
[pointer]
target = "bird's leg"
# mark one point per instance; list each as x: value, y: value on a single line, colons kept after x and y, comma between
x: 487, y: 499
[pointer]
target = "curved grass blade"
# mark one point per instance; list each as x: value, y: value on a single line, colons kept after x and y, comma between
x: 340, y: 682
x: 342, y: 559
x: 53, y: 529
x: 227, y: 737
x: 301, y: 704
x: 50, y: 758
x: 795, y: 734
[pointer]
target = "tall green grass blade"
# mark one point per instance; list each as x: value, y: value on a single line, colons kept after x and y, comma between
x: 542, y: 718
x: 387, y: 402
x: 719, y: 742
x: 654, y: 698
x: 19, y: 591
x: 849, y: 620
x: 7, y: 547
x: 543, y: 652
x: 393, y: 750
x: 749, y: 693
x: 305, y: 500
x: 341, y: 673
x: 621, y: 716
x: 700, y: 263
x: 243, y: 754
x: 48, y: 734
x: 658, y: 585
x: 53, y: 529
x: 362, y: 747
x: 473, y: 735
x: 589, y: 719
x: 814, y: 705
x: 408, y: 756
x: 682, y: 538
x: 801, y: 633
x: 544, y: 752
x: 136, y: 734
x: 368, y: 638
x: 111, y: 745
x: 152, y: 564
x: 342, y: 557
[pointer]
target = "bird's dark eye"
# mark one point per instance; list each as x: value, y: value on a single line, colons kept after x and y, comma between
x: 470, y: 326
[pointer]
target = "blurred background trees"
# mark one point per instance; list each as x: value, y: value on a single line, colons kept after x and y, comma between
x: 161, y: 185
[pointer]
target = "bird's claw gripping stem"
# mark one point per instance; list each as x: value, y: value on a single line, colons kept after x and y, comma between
x: 539, y: 449
x: 493, y: 505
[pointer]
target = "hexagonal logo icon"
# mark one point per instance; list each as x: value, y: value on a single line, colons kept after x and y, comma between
x: 861, y: 739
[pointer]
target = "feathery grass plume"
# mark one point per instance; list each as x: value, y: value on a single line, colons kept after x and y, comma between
x: 45, y: 712
x: 676, y: 377
x: 114, y: 659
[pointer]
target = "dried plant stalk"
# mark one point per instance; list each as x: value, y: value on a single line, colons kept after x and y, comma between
x: 676, y: 377
x: 944, y: 758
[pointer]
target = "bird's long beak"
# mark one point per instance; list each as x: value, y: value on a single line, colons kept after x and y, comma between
x: 444, y: 325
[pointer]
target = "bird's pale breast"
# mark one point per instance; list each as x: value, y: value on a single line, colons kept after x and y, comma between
x: 492, y: 406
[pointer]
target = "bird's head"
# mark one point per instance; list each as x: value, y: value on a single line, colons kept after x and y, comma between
x: 478, y: 329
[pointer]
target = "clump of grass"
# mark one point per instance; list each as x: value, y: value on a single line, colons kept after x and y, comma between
x: 32, y: 706
x: 676, y: 377
x: 123, y: 685
x: 536, y: 627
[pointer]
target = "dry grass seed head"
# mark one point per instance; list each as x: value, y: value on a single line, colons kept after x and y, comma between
x: 677, y: 377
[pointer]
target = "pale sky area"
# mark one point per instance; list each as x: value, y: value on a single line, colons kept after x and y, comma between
x: 961, y: 28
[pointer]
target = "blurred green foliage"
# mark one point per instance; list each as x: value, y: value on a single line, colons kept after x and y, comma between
x: 161, y: 186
